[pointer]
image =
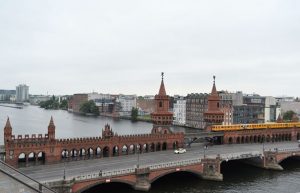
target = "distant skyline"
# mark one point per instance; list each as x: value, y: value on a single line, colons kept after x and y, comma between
x: 67, y: 47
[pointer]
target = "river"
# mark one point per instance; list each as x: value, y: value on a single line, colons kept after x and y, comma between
x: 238, y: 177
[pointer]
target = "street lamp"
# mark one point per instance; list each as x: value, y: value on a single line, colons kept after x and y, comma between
x: 205, y: 147
x: 64, y: 170
x: 138, y: 157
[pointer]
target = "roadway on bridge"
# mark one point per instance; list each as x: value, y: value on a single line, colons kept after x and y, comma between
x: 54, y: 172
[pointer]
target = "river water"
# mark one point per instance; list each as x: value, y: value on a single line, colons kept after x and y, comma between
x: 238, y: 177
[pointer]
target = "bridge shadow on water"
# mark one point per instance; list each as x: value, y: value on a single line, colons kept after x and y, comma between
x: 238, y: 177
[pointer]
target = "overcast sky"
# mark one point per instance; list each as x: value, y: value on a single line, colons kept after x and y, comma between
x: 66, y: 47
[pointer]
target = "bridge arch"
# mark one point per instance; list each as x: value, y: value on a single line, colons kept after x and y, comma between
x: 90, y: 152
x: 41, y: 156
x: 22, y: 159
x: 124, y: 149
x: 164, y: 146
x: 287, y: 157
x: 194, y: 172
x: 115, y: 150
x: 31, y: 157
x: 86, y: 188
x: 106, y: 151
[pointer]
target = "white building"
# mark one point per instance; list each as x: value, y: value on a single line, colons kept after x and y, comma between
x: 127, y: 102
x: 22, y: 93
x: 179, y: 110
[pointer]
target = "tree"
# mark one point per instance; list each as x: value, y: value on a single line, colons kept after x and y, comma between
x: 134, y: 114
x: 89, y: 107
x: 287, y: 116
x: 63, y: 104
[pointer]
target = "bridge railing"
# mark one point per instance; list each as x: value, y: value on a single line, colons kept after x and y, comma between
x: 290, y: 149
x: 24, y: 179
x: 241, y: 155
x: 112, y: 173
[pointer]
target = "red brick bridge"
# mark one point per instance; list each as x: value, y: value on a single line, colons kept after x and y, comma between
x: 207, y: 168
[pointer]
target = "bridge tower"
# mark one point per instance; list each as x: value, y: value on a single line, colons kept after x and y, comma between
x: 51, y: 130
x: 213, y: 115
x: 7, y: 131
x: 161, y: 117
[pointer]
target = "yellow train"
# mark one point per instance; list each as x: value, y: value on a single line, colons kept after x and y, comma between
x: 237, y: 127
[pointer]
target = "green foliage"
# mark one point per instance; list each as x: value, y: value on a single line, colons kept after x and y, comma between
x: 50, y: 104
x: 89, y: 107
x: 134, y: 114
x: 63, y: 104
x: 54, y: 104
x: 287, y: 116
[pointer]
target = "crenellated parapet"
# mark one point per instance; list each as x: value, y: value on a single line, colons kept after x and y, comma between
x: 27, y: 138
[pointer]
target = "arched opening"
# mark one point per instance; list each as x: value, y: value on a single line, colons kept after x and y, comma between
x: 131, y: 149
x: 176, y: 179
x: 106, y: 151
x: 158, y: 147
x: 109, y: 187
x: 290, y: 137
x: 31, y: 157
x: 255, y: 139
x: 276, y: 138
x: 268, y: 138
x: 290, y: 163
x: 116, y: 151
x: 230, y: 140
x: 98, y: 152
x: 298, y: 136
x: 243, y: 139
x: 124, y: 150
x: 74, y: 153
x: 82, y: 152
x: 164, y: 146
x: 41, y: 157
x: 64, y: 154
x: 145, y: 148
x: 90, y: 152
x: 22, y: 160
x: 263, y: 138
x: 251, y: 139
x: 238, y: 140
x: 175, y: 145
x: 152, y: 147
x: 259, y: 139
x: 138, y: 148
x: 282, y: 137
x: 247, y: 139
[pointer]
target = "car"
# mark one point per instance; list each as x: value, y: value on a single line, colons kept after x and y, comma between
x: 180, y: 150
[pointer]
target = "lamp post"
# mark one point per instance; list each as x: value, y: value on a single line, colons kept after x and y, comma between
x: 138, y: 157
x: 205, y: 147
x: 64, y: 177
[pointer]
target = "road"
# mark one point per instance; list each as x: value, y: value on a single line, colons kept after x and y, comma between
x: 55, y: 172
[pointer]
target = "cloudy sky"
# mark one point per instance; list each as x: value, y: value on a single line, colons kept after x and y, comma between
x: 66, y: 47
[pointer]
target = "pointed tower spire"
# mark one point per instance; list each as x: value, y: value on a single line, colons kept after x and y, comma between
x: 7, y: 125
x: 162, y: 90
x: 7, y: 131
x: 214, y: 89
x: 51, y: 129
x: 51, y: 123
x: 161, y: 117
x: 279, y: 118
x: 213, y: 115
